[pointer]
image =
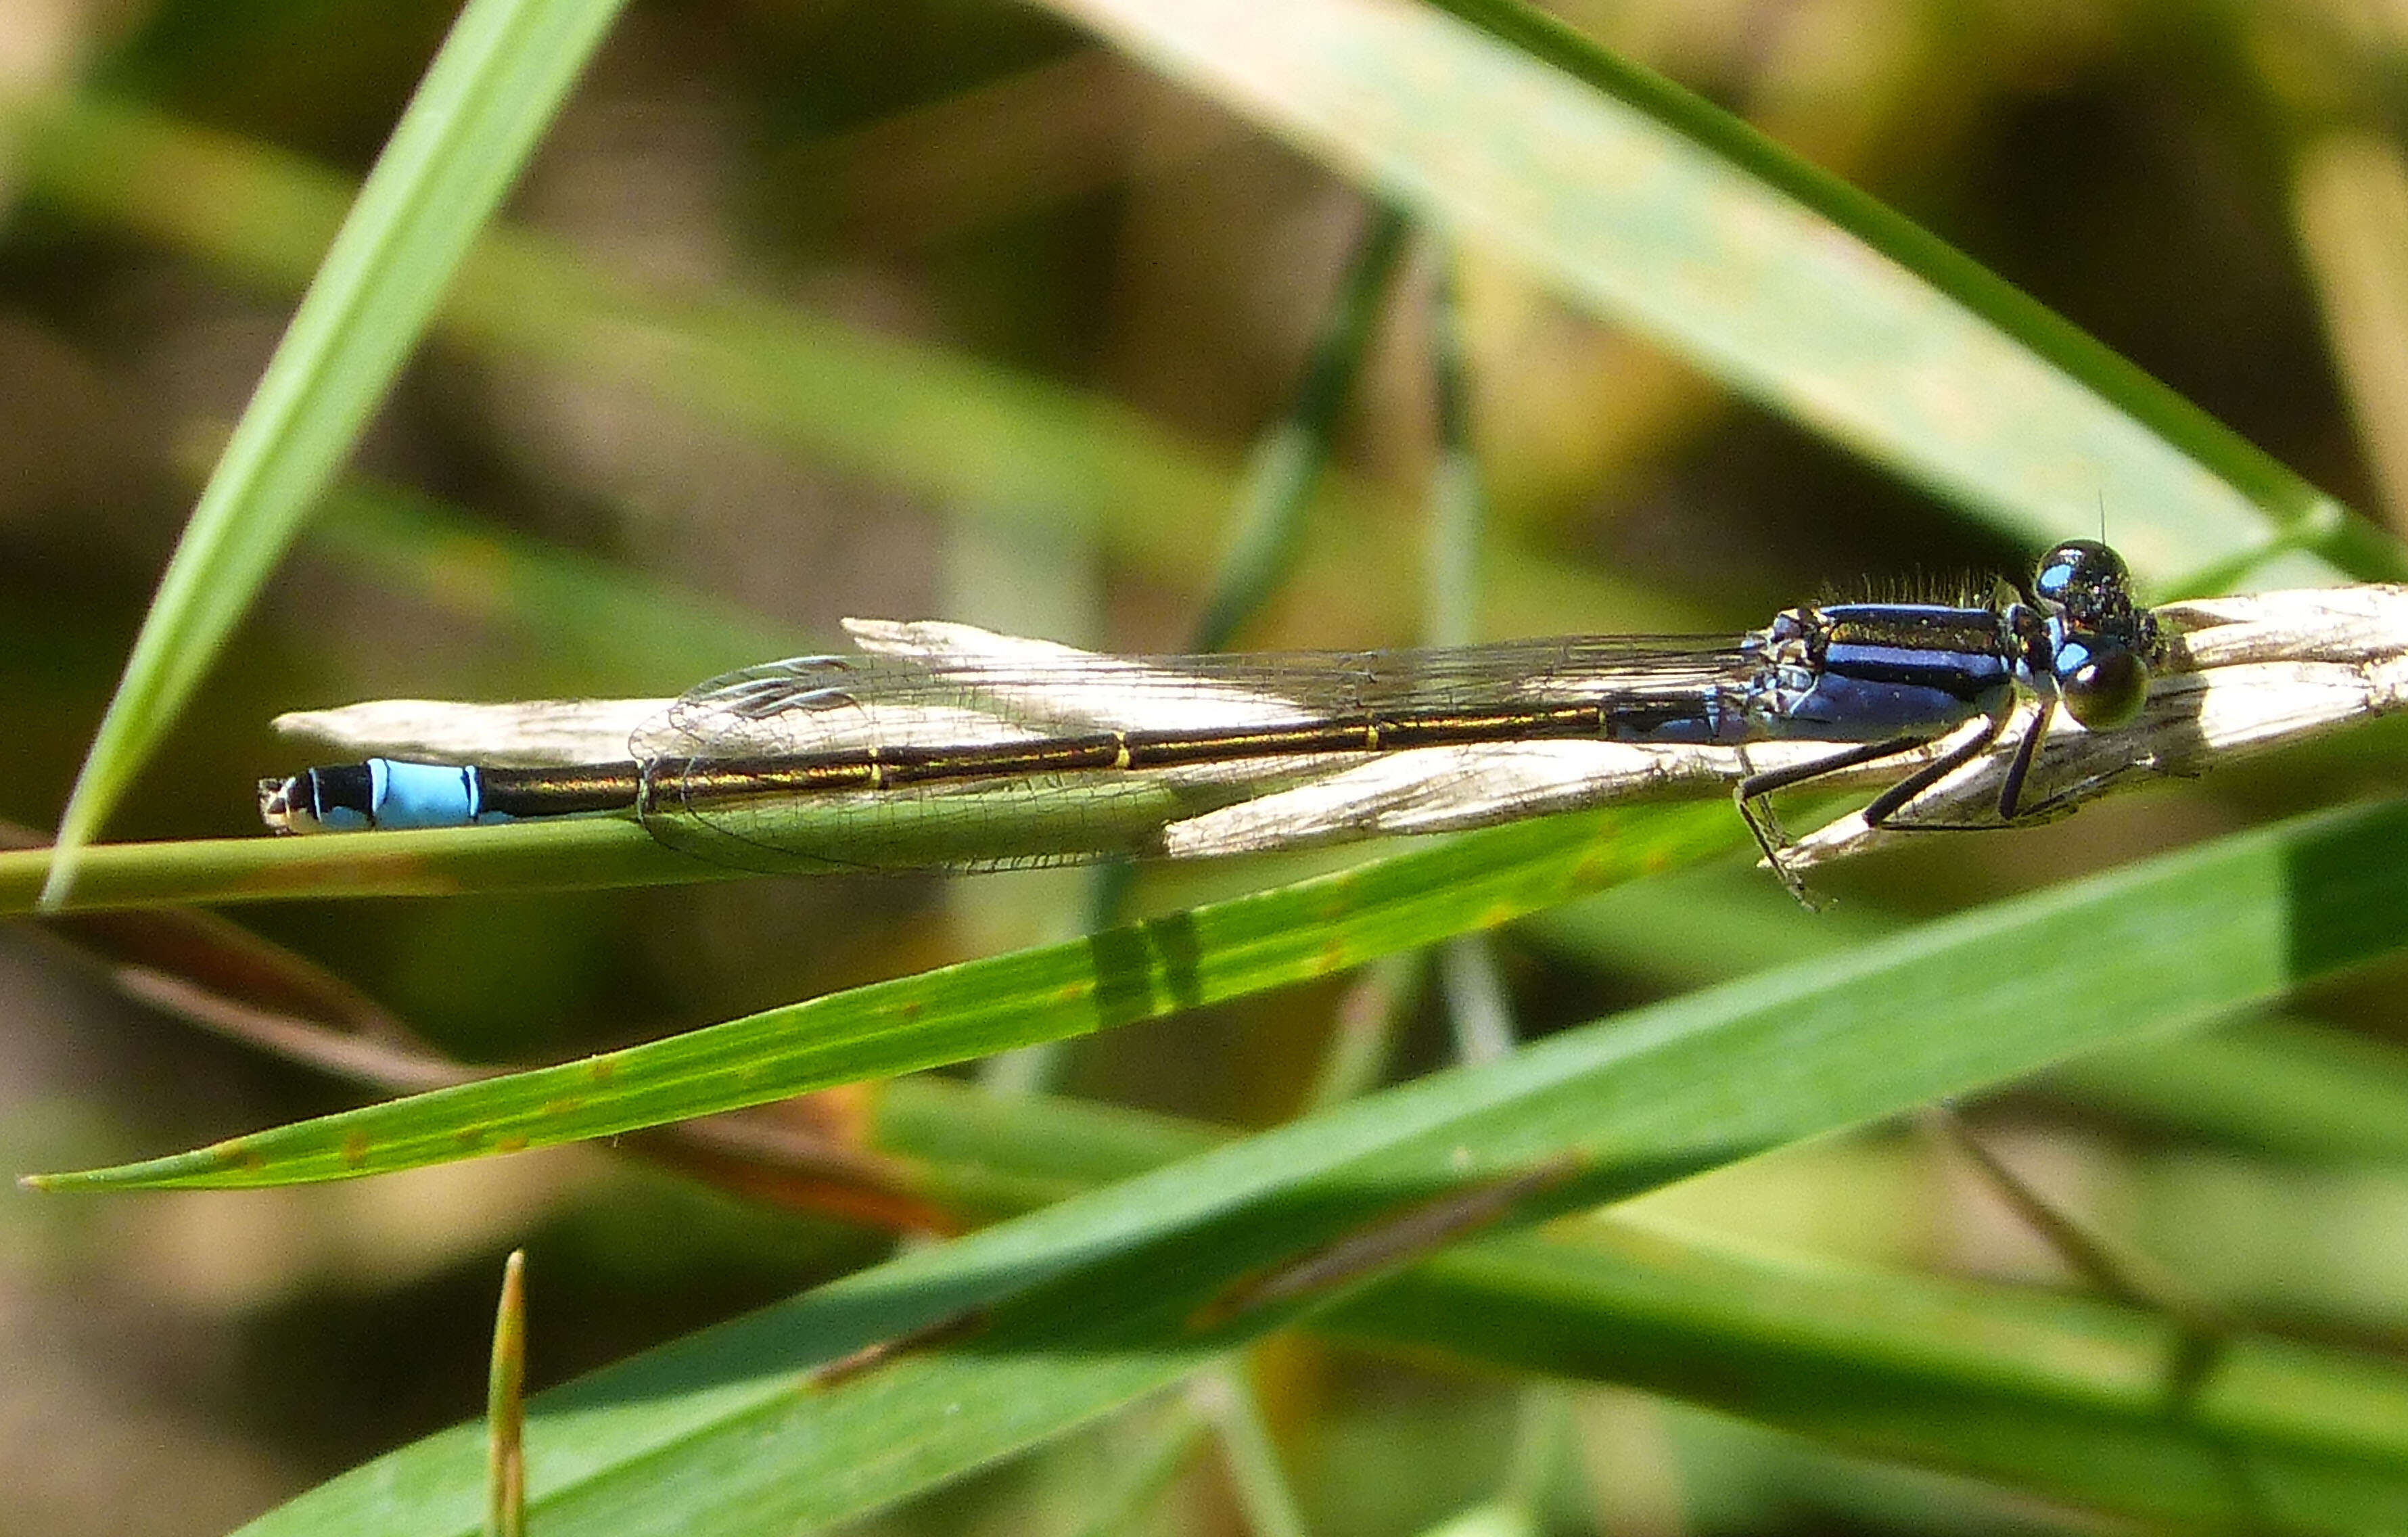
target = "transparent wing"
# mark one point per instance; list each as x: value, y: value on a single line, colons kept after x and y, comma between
x: 719, y: 760
x: 1001, y: 824
x: 811, y: 705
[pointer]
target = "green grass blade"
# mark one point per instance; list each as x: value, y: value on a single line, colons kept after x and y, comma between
x: 2172, y: 941
x: 2283, y: 1086
x: 466, y: 133
x: 2287, y: 1087
x: 1001, y: 1339
x: 2309, y: 518
x: 1903, y: 1367
x: 1226, y: 950
x: 2063, y: 1397
x: 572, y: 853
x: 505, y: 1408
x: 1655, y: 210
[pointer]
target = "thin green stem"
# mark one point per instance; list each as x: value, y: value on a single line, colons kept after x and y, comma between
x: 1457, y: 503
x: 1171, y: 1443
x: 1288, y: 460
x: 1282, y: 472
x: 1227, y: 1399
x: 1375, y: 1005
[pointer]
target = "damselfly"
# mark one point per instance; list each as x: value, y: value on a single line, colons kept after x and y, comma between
x: 1048, y: 754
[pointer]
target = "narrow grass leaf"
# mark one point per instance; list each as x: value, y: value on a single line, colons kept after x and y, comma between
x: 1285, y: 465
x: 891, y: 1381
x: 2349, y: 193
x: 500, y: 76
x: 2291, y: 1087
x: 2287, y: 1087
x: 1919, y: 1368
x: 2070, y: 1397
x: 2309, y: 518
x: 1208, y: 953
x: 506, y: 1407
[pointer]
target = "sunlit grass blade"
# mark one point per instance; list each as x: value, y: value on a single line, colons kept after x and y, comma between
x: 2307, y: 517
x: 1920, y: 1369
x: 2349, y: 193
x: 1655, y: 210
x: 1271, y: 939
x: 493, y: 88
x: 2286, y: 1086
x: 2215, y: 929
x: 886, y: 1383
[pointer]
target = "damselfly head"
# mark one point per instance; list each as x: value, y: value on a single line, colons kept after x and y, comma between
x: 2106, y: 642
x: 2086, y: 579
x: 2102, y: 682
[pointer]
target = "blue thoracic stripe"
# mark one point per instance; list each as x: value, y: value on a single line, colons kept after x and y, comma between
x: 1963, y: 673
x: 1874, y: 686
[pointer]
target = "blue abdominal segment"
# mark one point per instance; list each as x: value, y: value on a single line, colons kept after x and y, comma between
x: 386, y: 794
x: 427, y: 795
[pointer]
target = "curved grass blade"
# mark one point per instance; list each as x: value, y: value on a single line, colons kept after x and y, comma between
x: 1142, y: 971
x: 506, y: 1407
x: 1823, y: 1348
x: 888, y: 1382
x: 500, y: 76
x: 2307, y: 518
x: 2171, y: 940
x: 1652, y: 210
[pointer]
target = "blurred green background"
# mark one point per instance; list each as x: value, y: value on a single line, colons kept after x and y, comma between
x: 1016, y: 309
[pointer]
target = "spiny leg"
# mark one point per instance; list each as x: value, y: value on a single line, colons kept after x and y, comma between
x: 1753, y: 792
x: 2011, y: 791
x: 1890, y: 801
x: 2011, y: 809
x: 2068, y: 798
x: 1771, y: 840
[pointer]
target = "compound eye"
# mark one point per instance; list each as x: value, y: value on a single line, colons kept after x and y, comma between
x: 2102, y: 682
x: 2078, y: 567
